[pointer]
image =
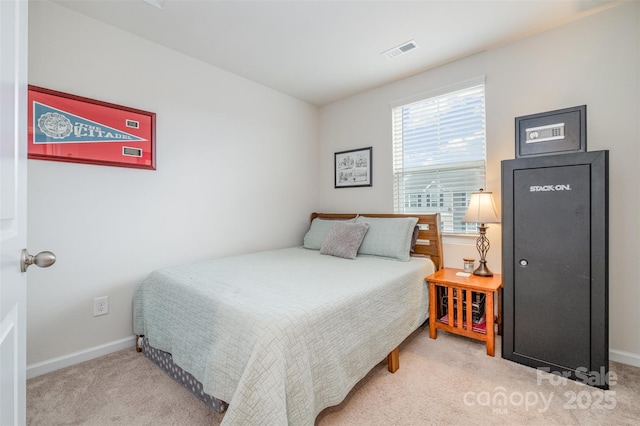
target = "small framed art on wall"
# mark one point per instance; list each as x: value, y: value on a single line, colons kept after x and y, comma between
x: 353, y: 168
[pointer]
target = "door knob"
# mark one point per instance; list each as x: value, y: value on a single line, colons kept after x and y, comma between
x: 43, y: 259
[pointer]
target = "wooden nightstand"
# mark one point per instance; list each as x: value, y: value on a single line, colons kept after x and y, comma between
x: 448, y: 281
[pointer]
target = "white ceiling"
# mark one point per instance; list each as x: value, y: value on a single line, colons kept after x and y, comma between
x: 321, y: 51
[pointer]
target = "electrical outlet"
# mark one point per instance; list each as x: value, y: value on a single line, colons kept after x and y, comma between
x: 100, y: 306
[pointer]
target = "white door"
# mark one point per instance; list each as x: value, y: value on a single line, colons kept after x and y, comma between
x: 13, y: 209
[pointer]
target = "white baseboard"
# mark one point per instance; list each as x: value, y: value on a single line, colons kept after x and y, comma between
x: 54, y: 364
x: 624, y: 357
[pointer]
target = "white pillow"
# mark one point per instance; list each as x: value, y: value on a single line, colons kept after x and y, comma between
x: 388, y: 237
x: 318, y: 232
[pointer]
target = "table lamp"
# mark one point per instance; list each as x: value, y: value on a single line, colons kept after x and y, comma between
x: 482, y: 210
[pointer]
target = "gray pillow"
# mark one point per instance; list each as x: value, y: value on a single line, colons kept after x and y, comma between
x: 388, y: 237
x: 344, y: 239
x: 318, y: 232
x: 414, y: 238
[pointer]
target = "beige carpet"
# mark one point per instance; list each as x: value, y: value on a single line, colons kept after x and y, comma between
x: 448, y: 381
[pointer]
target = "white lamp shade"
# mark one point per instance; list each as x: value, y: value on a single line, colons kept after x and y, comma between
x: 482, y: 209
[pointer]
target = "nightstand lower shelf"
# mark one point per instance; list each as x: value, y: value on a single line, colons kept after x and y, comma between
x: 480, y: 327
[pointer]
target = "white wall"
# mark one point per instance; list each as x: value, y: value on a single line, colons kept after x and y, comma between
x: 236, y: 172
x: 593, y: 61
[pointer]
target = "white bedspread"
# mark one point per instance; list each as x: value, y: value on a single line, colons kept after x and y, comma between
x: 281, y: 335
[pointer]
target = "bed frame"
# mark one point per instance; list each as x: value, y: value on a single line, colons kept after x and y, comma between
x: 429, y: 243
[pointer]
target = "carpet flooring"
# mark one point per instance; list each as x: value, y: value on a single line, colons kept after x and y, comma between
x: 447, y: 381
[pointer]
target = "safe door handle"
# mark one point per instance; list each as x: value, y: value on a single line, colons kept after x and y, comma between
x: 44, y: 259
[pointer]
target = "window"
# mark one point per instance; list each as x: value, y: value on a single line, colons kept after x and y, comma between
x: 439, y: 153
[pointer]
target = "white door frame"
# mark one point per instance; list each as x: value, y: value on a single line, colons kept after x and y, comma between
x: 13, y: 209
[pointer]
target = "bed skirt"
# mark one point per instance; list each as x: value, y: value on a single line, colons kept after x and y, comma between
x: 164, y: 360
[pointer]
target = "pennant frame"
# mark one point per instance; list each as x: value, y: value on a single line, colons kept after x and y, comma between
x: 70, y: 128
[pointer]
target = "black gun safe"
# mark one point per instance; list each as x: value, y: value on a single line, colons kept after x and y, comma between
x: 555, y: 264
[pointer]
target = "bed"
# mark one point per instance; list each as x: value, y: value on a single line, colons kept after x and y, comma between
x: 275, y: 337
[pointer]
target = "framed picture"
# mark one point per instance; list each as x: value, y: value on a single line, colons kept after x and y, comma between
x: 353, y: 168
x: 555, y: 132
x: 64, y: 127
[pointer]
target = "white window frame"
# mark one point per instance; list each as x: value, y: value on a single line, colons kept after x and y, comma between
x: 447, y: 181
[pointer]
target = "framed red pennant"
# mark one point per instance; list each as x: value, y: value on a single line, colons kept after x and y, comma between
x: 64, y: 127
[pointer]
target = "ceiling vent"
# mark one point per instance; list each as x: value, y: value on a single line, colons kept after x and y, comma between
x: 399, y: 50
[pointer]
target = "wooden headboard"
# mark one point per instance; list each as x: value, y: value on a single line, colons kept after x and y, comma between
x: 429, y: 239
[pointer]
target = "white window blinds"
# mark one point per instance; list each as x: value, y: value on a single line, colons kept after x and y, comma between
x: 439, y: 154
